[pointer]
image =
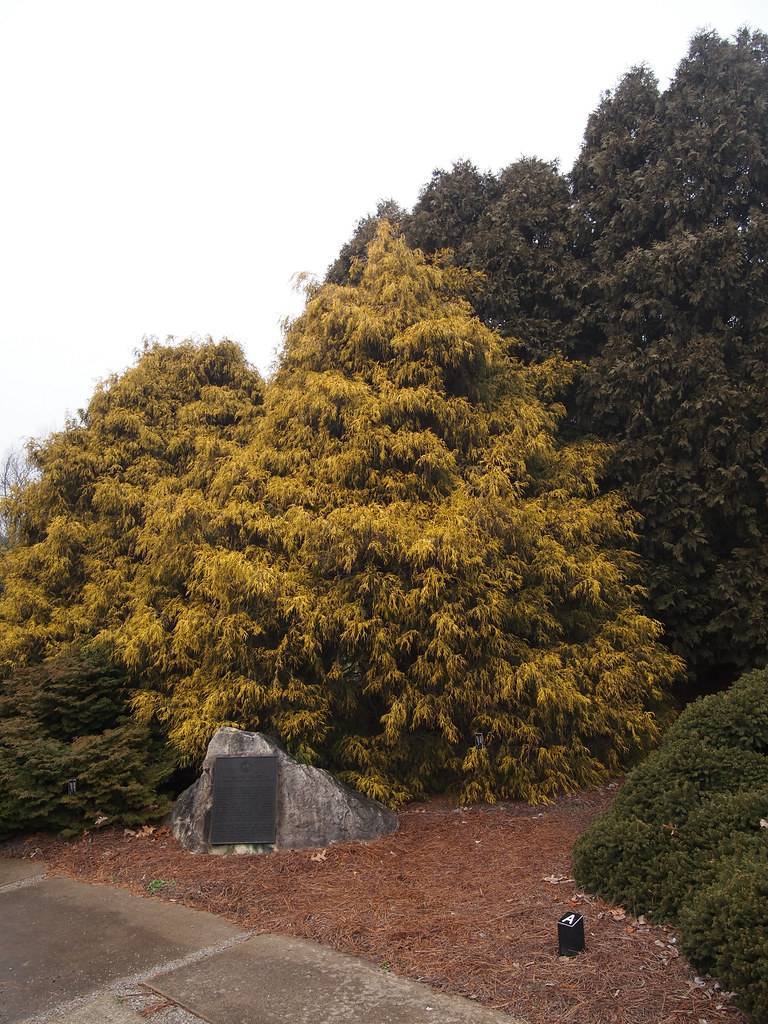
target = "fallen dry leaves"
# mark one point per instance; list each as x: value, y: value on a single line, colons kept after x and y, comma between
x: 466, y: 900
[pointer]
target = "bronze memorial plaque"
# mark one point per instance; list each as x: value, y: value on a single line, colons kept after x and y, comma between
x: 244, y: 800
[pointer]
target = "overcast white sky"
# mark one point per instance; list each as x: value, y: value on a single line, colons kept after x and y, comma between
x: 168, y: 165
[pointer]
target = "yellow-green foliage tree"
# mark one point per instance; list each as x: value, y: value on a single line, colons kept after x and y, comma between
x: 78, y: 539
x: 389, y: 556
x: 402, y: 558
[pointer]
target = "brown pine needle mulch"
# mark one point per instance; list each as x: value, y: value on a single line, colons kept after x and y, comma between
x: 465, y: 900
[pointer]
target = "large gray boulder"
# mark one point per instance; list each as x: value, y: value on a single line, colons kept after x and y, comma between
x: 313, y: 808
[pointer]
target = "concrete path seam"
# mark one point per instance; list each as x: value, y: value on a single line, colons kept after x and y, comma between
x: 122, y: 985
x: 23, y: 883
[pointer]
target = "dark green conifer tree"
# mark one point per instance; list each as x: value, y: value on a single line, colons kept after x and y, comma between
x: 67, y: 722
x: 449, y: 208
x: 532, y: 285
x: 675, y: 194
x: 612, y: 211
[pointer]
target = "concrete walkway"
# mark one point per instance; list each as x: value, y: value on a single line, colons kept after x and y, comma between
x: 72, y: 953
x: 63, y: 940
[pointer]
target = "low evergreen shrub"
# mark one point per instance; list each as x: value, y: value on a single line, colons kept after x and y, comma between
x: 724, y: 931
x: 722, y: 828
x: 621, y: 859
x: 673, y: 781
x: 68, y: 719
x: 684, y: 841
x: 737, y: 717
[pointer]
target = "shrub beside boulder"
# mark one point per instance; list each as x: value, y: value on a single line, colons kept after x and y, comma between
x: 684, y: 841
x: 65, y: 719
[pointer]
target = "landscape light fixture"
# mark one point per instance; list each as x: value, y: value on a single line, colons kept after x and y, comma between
x: 479, y: 739
x: 570, y: 934
x: 71, y: 786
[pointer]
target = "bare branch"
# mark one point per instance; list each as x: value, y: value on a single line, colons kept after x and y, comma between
x: 16, y: 473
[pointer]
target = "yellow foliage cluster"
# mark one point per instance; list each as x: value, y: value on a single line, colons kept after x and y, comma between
x: 379, y: 556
